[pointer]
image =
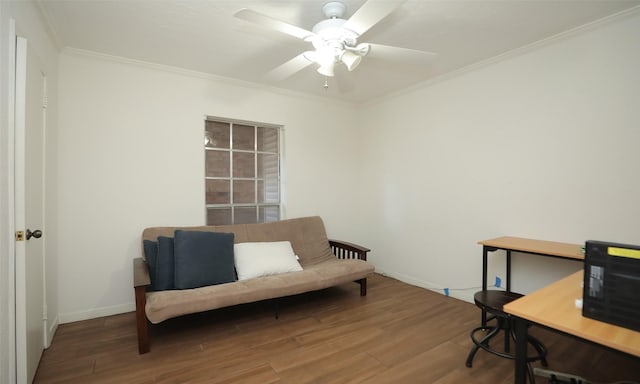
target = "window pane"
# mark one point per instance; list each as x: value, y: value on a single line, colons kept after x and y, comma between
x: 218, y: 216
x: 267, y: 139
x: 269, y: 213
x: 244, y: 192
x: 218, y: 164
x: 217, y: 134
x: 245, y: 215
x: 268, y: 191
x: 267, y: 165
x: 243, y: 137
x: 218, y: 192
x: 260, y: 192
x: 243, y: 164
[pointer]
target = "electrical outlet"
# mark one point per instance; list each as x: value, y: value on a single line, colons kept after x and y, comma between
x: 559, y: 377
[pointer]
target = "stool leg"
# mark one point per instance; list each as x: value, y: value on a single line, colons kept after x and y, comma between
x: 478, y: 343
x: 542, y: 350
x: 507, y: 331
x: 539, y: 347
x: 471, y: 355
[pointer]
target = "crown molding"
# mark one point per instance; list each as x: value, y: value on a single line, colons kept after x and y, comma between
x: 69, y: 51
x: 513, y: 53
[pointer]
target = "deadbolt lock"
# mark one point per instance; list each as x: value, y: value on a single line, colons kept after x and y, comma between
x: 19, y: 235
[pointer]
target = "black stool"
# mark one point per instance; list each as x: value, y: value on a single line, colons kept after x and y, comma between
x: 491, y: 303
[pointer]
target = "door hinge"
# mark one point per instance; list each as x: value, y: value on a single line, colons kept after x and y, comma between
x: 19, y: 235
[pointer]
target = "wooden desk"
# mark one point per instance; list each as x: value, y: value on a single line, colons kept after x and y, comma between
x: 530, y: 246
x: 554, y: 307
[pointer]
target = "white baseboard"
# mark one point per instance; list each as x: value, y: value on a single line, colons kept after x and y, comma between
x: 96, y: 312
x: 462, y: 294
x: 51, y: 332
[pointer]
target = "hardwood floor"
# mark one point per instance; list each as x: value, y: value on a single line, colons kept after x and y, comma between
x: 398, y: 333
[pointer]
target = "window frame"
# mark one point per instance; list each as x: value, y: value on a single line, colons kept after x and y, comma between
x: 256, y: 179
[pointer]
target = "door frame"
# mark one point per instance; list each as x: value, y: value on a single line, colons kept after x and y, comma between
x: 12, y: 364
x: 20, y: 364
x: 19, y: 261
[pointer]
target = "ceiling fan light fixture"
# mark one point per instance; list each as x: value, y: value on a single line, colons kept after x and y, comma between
x: 362, y: 49
x: 350, y: 60
x: 327, y: 70
x: 325, y: 55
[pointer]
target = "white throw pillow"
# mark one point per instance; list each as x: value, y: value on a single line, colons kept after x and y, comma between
x: 264, y: 259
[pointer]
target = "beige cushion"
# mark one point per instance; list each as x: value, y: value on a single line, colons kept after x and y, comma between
x: 164, y: 305
x: 306, y: 234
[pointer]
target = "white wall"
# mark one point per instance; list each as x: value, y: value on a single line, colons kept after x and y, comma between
x: 543, y: 144
x: 131, y: 156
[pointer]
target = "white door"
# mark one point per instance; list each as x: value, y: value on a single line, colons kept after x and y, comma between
x: 29, y: 210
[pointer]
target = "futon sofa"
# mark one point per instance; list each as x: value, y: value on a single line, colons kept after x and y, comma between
x: 269, y: 260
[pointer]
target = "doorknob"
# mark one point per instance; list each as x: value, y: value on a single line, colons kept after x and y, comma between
x: 37, y: 234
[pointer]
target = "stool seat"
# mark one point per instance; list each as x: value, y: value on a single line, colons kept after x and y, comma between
x: 492, y: 302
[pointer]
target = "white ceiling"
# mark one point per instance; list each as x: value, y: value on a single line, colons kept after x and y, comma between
x: 204, y: 36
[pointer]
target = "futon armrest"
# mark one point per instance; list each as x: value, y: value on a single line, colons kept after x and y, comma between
x: 345, y: 250
x: 141, y: 281
x: 140, y: 273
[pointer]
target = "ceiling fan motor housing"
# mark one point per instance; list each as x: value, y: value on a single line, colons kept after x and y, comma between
x: 331, y: 29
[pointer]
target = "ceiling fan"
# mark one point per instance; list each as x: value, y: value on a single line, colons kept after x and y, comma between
x: 335, y: 40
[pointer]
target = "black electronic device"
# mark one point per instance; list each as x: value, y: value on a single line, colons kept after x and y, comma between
x: 612, y: 283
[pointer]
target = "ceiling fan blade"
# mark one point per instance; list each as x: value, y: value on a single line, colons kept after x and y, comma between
x: 388, y: 52
x: 370, y: 13
x: 289, y: 68
x: 269, y: 22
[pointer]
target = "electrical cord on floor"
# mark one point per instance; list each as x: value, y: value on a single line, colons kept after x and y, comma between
x: 555, y: 380
x: 561, y: 379
x: 566, y: 378
x: 620, y: 382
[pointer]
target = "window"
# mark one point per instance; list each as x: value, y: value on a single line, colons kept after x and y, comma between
x: 242, y: 172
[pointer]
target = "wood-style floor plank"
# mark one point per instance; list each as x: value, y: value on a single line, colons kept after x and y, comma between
x: 398, y: 333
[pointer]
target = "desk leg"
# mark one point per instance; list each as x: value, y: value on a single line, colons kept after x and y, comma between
x: 485, y: 253
x: 508, y: 270
x: 521, y: 351
x: 485, y: 256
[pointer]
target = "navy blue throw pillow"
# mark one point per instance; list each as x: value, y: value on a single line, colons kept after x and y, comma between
x: 164, y: 264
x: 151, y: 255
x: 203, y: 258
